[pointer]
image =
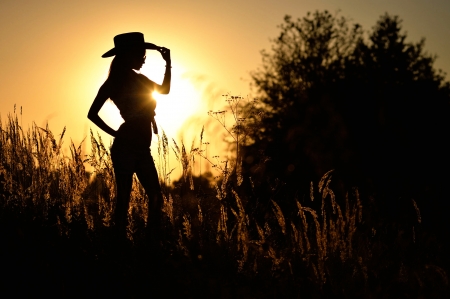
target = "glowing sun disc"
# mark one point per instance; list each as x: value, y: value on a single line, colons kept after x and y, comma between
x: 175, y: 108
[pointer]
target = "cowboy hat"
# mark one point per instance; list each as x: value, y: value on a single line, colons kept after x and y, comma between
x: 130, y: 40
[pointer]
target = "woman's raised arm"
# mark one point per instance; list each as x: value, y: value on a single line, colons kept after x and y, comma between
x: 164, y: 88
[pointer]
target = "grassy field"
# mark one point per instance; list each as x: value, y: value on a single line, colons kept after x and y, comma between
x: 219, y: 239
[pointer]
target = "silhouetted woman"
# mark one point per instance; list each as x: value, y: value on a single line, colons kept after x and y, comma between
x: 132, y: 92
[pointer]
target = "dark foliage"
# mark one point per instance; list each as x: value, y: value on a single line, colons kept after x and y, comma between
x: 370, y: 105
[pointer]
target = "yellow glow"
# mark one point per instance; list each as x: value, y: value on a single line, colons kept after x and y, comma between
x: 173, y: 109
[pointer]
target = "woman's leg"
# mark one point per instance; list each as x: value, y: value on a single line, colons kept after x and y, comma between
x: 123, y: 163
x: 124, y: 183
x: 148, y: 177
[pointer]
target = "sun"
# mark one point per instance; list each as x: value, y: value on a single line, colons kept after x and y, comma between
x: 183, y: 101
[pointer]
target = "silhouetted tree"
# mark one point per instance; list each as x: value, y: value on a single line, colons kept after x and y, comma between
x: 370, y: 105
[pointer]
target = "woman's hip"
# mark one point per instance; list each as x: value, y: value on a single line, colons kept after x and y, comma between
x: 128, y: 159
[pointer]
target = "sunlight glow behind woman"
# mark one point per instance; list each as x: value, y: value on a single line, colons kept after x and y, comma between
x: 174, y: 109
x: 182, y: 102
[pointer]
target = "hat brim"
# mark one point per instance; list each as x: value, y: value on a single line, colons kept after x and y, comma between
x: 113, y: 51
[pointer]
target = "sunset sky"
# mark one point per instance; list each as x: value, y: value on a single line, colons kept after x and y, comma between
x: 51, y: 51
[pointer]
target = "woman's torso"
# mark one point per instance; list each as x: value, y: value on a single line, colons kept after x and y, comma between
x: 133, y: 97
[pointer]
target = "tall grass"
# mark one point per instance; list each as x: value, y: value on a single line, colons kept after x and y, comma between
x: 325, y: 243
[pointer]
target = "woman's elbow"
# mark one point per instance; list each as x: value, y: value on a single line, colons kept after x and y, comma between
x: 166, y: 89
x: 91, y: 115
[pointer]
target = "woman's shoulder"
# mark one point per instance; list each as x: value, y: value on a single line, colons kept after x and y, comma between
x: 145, y: 80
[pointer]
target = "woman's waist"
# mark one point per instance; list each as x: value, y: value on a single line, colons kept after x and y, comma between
x: 139, y: 117
x: 136, y: 124
x: 135, y: 133
x: 129, y: 144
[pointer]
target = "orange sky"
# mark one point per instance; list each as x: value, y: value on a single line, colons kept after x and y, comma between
x: 50, y: 50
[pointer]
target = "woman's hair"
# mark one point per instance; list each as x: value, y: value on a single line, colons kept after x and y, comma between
x: 119, y: 65
x: 122, y: 62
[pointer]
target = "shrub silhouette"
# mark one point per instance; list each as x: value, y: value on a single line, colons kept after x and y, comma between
x: 372, y: 106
